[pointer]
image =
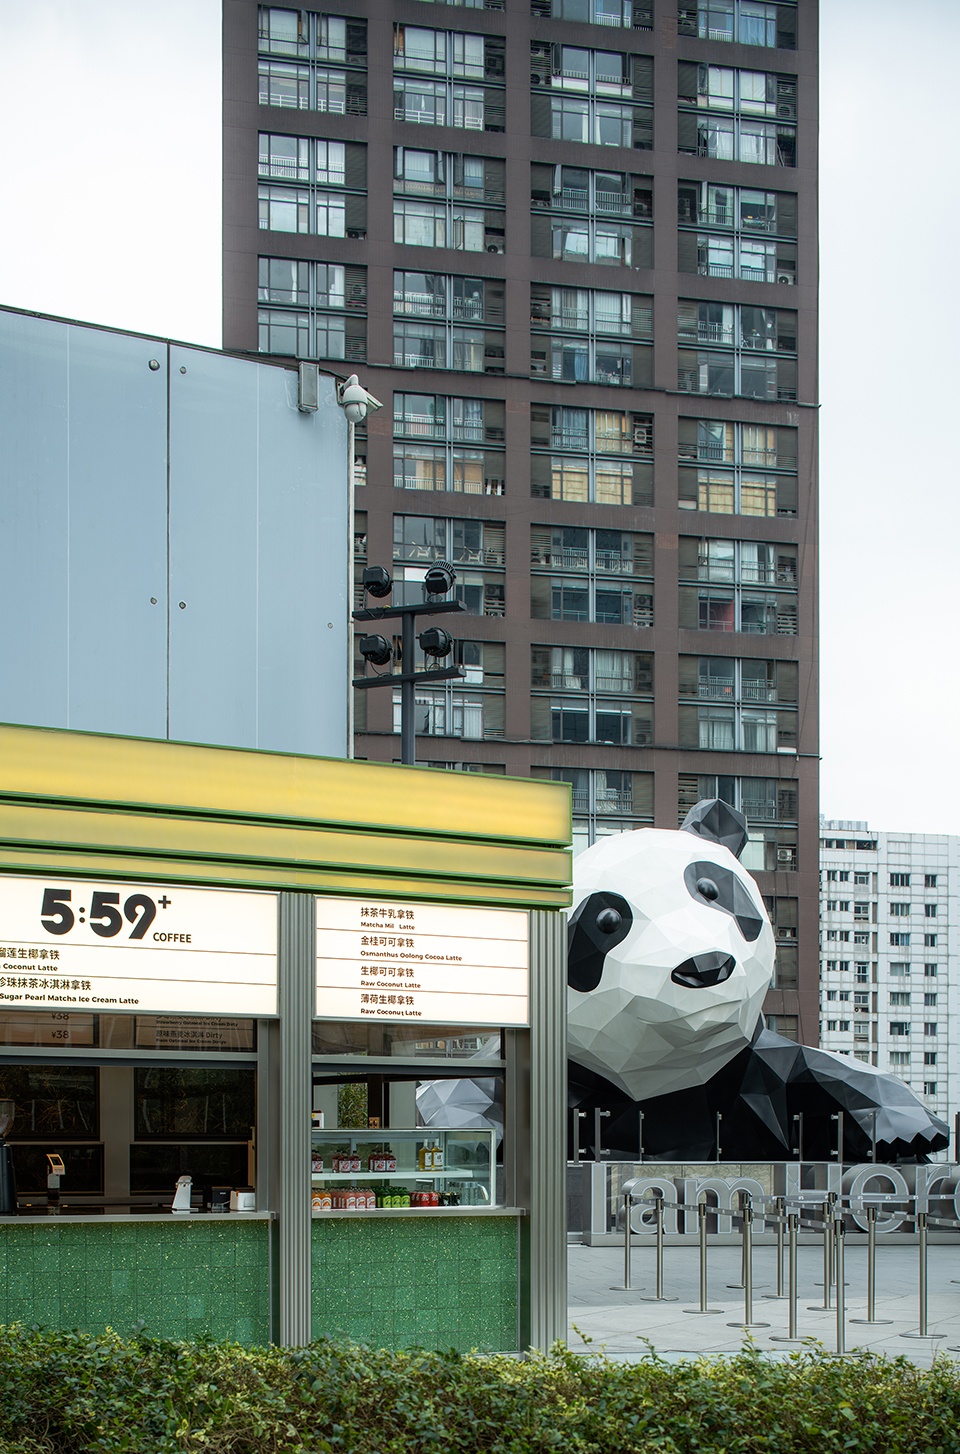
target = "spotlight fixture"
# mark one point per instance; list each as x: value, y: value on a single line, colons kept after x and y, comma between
x: 439, y: 578
x: 376, y: 581
x: 376, y: 650
x: 435, y: 642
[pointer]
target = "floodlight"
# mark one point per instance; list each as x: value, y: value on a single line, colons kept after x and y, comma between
x: 439, y: 578
x: 376, y: 581
x: 435, y: 641
x: 376, y: 649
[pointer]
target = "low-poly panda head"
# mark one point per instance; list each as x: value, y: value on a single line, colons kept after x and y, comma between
x: 670, y: 953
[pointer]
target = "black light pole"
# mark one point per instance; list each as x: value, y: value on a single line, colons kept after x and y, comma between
x: 434, y: 642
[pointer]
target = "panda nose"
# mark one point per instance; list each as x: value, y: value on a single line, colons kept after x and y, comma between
x: 703, y: 970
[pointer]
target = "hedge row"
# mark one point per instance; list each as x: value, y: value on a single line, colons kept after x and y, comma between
x: 73, y: 1393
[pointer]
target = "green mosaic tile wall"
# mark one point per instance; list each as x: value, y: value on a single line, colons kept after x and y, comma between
x: 437, y: 1282
x: 180, y: 1279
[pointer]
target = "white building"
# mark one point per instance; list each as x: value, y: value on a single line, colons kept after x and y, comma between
x: 888, y: 954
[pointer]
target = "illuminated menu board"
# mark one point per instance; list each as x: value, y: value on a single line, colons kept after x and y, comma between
x: 112, y: 948
x: 434, y: 963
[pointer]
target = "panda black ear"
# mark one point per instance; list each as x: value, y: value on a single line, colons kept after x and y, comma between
x: 716, y: 821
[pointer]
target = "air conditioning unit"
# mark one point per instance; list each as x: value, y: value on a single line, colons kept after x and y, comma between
x: 494, y: 247
x: 785, y: 111
x: 784, y: 277
x: 642, y: 434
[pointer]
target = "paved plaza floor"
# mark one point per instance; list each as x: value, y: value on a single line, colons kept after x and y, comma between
x: 621, y: 1324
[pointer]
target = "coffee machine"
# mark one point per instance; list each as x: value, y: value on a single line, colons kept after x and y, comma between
x: 8, y: 1185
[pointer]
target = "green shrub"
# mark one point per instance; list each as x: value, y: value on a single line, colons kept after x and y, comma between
x: 74, y: 1394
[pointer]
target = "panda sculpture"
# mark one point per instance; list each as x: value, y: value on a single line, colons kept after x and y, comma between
x: 670, y: 953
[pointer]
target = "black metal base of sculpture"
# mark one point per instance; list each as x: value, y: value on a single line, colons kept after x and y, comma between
x: 757, y: 1095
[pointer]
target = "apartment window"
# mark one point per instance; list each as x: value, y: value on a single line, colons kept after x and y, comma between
x: 737, y: 232
x: 898, y: 969
x: 747, y: 22
x: 899, y: 910
x: 899, y: 940
x: 312, y: 62
x: 580, y: 694
x: 740, y: 724
x: 602, y: 98
x: 929, y: 911
x: 726, y: 597
x: 899, y: 880
x: 604, y: 800
x: 460, y: 460
x: 599, y: 455
x: 737, y: 350
x: 737, y: 115
x: 831, y: 994
x: 320, y: 204
x: 591, y: 336
x: 899, y: 1057
x: 899, y: 997
x: 737, y: 469
x: 466, y: 206
x: 929, y: 1000
x: 786, y: 1025
x: 476, y: 548
x: 931, y: 971
x: 311, y: 310
x: 447, y: 78
x: 861, y: 911
x: 618, y: 14
x: 444, y: 322
x: 930, y: 1027
x: 455, y: 709
x: 929, y: 941
x: 929, y: 1057
x: 899, y: 1027
x: 929, y: 880
x: 831, y: 875
x: 582, y: 215
x: 930, y: 1087
x: 861, y: 878
x: 578, y: 575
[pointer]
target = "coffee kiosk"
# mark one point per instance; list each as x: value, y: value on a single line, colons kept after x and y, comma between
x: 314, y: 1005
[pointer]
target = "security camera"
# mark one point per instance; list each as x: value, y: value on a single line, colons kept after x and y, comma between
x: 355, y: 400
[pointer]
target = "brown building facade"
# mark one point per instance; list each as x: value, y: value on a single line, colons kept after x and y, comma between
x: 572, y: 247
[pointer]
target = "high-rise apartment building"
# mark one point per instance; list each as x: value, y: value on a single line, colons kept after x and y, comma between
x: 572, y: 245
x: 889, y: 946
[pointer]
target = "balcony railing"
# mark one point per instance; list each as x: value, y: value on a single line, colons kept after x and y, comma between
x: 610, y: 800
x: 758, y: 692
x: 416, y: 361
x: 716, y: 688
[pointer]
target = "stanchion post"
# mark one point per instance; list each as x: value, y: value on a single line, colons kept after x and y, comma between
x: 922, y: 1240
x: 640, y: 1136
x: 838, y: 1235
x: 717, y: 1120
x: 780, y: 1206
x: 793, y: 1225
x: 659, y: 1297
x: 873, y: 1137
x: 702, y: 1229
x: 871, y: 1317
x: 627, y: 1270
x: 827, y: 1214
x: 746, y: 1213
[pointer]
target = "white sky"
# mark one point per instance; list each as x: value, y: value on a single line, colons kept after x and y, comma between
x: 110, y: 119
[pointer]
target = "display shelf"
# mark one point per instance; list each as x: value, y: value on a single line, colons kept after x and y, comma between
x: 458, y: 1175
x: 468, y: 1159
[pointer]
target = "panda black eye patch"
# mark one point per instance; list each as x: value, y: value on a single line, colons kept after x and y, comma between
x: 597, y: 925
x: 720, y: 888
